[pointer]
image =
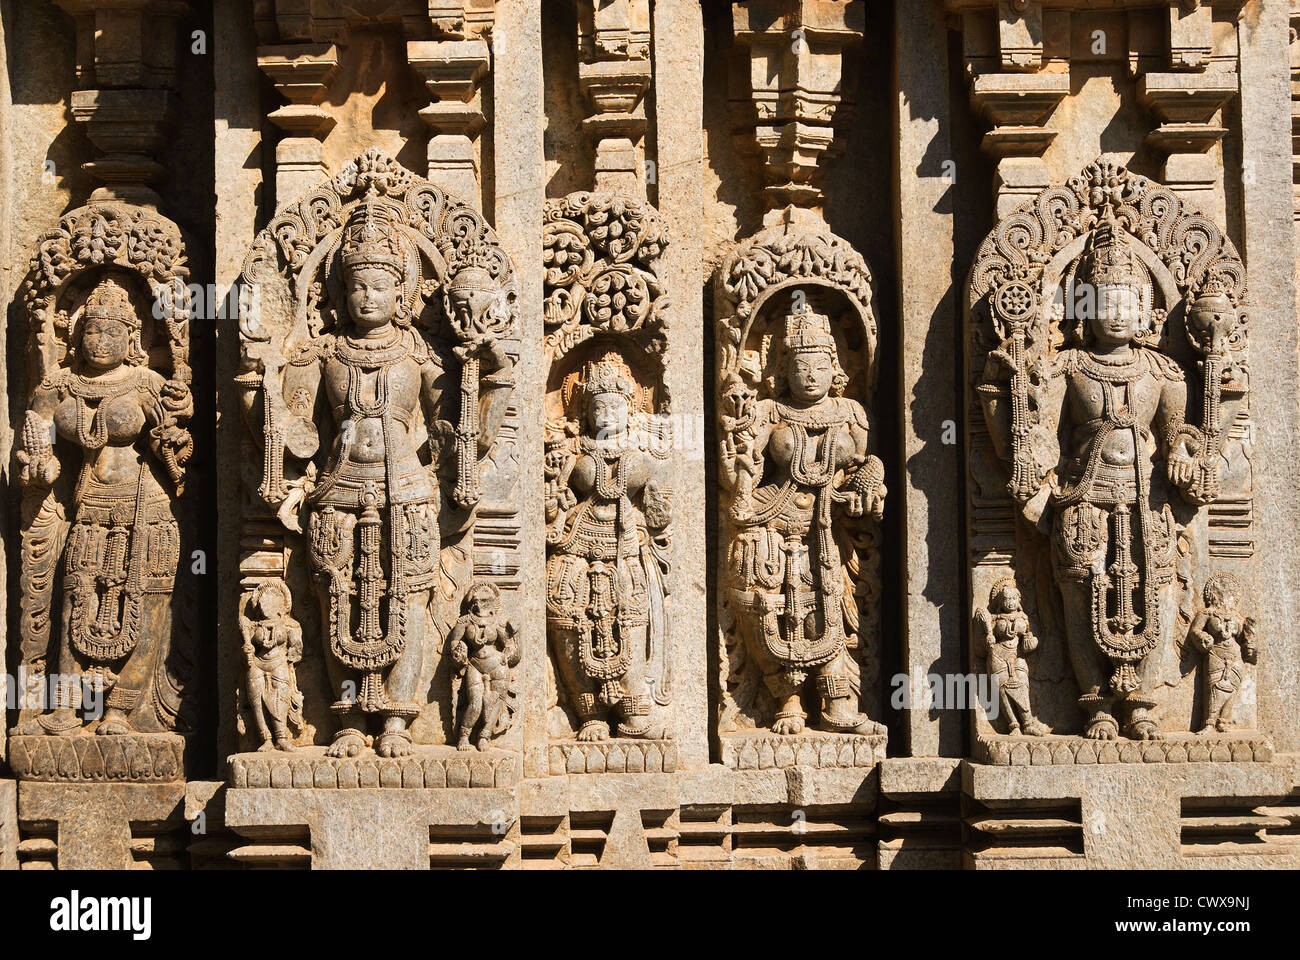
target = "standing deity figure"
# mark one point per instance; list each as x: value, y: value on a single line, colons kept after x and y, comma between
x: 605, y: 585
x: 797, y: 466
x: 1007, y: 636
x: 373, y: 509
x: 120, y: 553
x: 485, y: 651
x: 273, y: 644
x: 1127, y: 457
x: 1227, y: 638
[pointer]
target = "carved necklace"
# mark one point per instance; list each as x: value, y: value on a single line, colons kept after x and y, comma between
x: 820, y: 416
x: 96, y: 435
x: 370, y: 355
x: 1125, y: 370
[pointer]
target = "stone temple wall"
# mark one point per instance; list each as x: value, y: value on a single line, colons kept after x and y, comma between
x: 649, y: 433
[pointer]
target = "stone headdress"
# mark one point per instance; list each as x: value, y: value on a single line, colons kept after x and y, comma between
x: 112, y: 301
x: 609, y: 375
x: 375, y: 235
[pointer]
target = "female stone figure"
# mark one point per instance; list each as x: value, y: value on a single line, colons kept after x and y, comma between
x: 1118, y: 408
x: 373, y: 512
x: 797, y: 465
x: 272, y: 645
x: 1008, y: 640
x: 604, y: 580
x: 1226, y: 635
x: 120, y: 554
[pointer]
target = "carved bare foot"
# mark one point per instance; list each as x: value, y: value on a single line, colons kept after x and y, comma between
x: 1145, y: 730
x: 463, y: 743
x: 114, y: 724
x: 1036, y: 728
x: 1102, y: 728
x: 393, y: 743
x: 266, y: 747
x: 285, y: 744
x: 594, y: 730
x: 788, y: 726
x: 347, y: 743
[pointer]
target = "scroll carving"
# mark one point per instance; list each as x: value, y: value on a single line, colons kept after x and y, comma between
x: 609, y: 505
x: 1107, y: 338
x: 378, y: 358
x: 102, y: 452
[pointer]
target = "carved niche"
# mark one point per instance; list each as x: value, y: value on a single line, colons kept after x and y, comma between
x: 378, y: 333
x: 609, y: 505
x: 105, y: 643
x: 1106, y: 334
x: 802, y: 499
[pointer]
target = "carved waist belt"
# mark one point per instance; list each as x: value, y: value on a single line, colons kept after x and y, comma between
x: 349, y: 482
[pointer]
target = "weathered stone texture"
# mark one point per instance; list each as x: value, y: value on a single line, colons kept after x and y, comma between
x: 649, y: 434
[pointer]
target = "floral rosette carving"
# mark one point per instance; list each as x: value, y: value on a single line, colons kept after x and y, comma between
x: 600, y: 255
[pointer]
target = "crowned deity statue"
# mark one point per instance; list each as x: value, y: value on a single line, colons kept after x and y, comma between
x: 359, y: 409
x: 796, y: 465
x: 1101, y: 450
x: 605, y: 574
x: 109, y: 522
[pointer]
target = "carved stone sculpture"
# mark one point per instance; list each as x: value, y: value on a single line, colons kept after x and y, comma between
x: 1006, y: 636
x: 1226, y: 635
x: 485, y: 650
x: 273, y: 645
x: 803, y: 492
x: 1108, y: 325
x: 608, y: 499
x: 102, y: 454
x: 371, y: 445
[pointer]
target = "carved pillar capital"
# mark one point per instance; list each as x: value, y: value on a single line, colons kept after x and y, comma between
x: 614, y: 73
x: 797, y: 96
x: 126, y: 64
x: 452, y: 71
x: 302, y: 73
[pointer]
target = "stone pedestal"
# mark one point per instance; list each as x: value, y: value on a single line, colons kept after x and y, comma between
x: 102, y: 826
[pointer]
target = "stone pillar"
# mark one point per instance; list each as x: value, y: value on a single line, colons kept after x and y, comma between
x: 678, y: 57
x: 929, y: 397
x: 520, y: 194
x: 1267, y: 226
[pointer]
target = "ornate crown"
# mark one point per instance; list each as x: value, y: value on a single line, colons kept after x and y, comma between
x: 808, y: 332
x: 471, y: 271
x: 371, y: 239
x: 1111, y: 259
x: 110, y: 301
x: 609, y: 375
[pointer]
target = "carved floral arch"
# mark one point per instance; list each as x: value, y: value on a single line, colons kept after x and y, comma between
x: 1031, y: 254
x: 299, y: 247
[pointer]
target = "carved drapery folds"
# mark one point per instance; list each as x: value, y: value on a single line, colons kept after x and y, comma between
x: 609, y: 503
x: 803, y: 495
x: 103, y: 449
x: 1107, y: 349
x: 378, y: 341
